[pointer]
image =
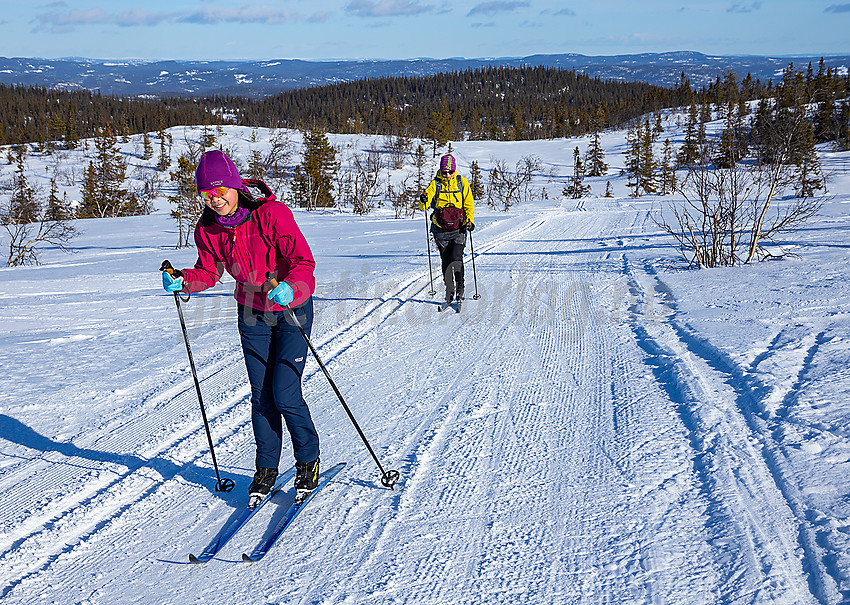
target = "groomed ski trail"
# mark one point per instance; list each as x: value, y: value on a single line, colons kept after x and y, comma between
x: 551, y: 439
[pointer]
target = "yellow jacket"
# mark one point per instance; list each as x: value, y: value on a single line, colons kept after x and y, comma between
x: 449, y: 195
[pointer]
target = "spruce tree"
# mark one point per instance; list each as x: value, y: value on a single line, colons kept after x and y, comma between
x: 164, y: 160
x: 633, y: 159
x: 576, y: 189
x: 689, y: 152
x: 439, y: 129
x: 71, y: 136
x: 256, y: 165
x: 187, y: 206
x: 207, y: 136
x: 809, y: 179
x: 56, y: 208
x: 103, y: 191
x: 421, y: 162
x: 319, y: 167
x: 842, y: 139
x: 595, y: 157
x: 476, y: 184
x: 147, y: 148
x: 648, y: 165
x: 668, y: 170
x: 23, y: 203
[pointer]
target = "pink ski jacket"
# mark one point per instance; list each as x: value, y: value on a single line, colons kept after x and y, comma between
x: 268, y: 241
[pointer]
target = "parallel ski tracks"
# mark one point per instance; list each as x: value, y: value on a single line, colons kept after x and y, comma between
x: 742, y: 464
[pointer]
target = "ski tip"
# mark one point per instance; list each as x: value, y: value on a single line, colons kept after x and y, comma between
x: 248, y: 559
x: 194, y: 559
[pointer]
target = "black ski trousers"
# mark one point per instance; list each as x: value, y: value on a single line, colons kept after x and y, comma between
x: 451, y: 245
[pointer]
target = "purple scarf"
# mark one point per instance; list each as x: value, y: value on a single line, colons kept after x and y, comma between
x: 239, y: 216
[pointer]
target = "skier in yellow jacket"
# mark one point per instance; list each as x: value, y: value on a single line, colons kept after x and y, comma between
x: 450, y: 197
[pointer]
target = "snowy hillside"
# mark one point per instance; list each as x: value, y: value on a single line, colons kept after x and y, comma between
x: 600, y: 427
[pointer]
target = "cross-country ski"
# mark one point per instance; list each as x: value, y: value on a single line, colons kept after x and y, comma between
x: 234, y: 525
x: 294, y: 509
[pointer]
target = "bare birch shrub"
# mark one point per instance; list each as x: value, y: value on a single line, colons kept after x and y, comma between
x: 29, y: 234
x: 506, y: 188
x: 730, y: 214
x: 366, y: 182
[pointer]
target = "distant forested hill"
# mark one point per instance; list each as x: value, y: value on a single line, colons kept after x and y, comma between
x: 505, y: 103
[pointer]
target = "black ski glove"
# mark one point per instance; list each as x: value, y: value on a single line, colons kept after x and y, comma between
x: 470, y: 226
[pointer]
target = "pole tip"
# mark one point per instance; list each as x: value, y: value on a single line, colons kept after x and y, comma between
x: 390, y: 478
x: 224, y: 485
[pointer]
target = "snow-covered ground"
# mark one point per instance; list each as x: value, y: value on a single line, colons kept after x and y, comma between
x: 599, y: 427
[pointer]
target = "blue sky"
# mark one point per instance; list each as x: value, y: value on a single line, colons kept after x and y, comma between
x: 400, y: 29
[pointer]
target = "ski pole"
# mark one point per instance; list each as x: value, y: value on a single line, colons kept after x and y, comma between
x: 428, y: 247
x: 474, y: 276
x: 222, y: 485
x: 388, y: 478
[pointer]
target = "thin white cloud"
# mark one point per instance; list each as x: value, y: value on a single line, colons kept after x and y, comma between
x: 319, y: 17
x: 387, y: 8
x: 61, y: 20
x: 491, y: 8
x: 267, y: 15
x: 65, y: 20
x: 742, y: 7
x: 837, y: 8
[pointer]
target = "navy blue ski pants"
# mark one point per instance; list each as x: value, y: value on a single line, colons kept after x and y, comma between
x: 275, y: 353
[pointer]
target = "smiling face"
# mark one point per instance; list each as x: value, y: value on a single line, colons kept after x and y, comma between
x: 222, y: 203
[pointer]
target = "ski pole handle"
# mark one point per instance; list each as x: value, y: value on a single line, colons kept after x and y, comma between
x: 274, y: 283
x: 168, y: 268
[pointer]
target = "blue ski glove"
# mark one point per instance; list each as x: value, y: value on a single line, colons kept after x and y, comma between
x: 172, y: 283
x: 282, y: 294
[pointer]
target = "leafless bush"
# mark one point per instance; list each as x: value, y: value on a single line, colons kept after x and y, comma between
x: 396, y: 147
x: 728, y: 217
x: 275, y: 165
x: 403, y: 198
x: 366, y: 182
x: 28, y: 235
x: 152, y: 181
x: 506, y: 188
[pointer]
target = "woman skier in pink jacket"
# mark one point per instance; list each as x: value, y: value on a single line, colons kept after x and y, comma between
x: 247, y: 232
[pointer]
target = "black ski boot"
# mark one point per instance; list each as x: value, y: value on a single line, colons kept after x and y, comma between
x: 262, y: 484
x: 446, y: 304
x: 306, y: 478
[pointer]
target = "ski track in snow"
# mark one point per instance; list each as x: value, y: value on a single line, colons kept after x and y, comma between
x: 565, y: 439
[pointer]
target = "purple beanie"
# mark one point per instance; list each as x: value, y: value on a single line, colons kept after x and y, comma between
x: 216, y: 170
x: 447, y: 162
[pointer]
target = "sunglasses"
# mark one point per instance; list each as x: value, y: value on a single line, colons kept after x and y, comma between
x: 445, y: 171
x: 214, y: 192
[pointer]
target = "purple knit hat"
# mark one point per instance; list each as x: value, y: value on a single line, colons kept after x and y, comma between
x: 447, y: 162
x: 217, y: 170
